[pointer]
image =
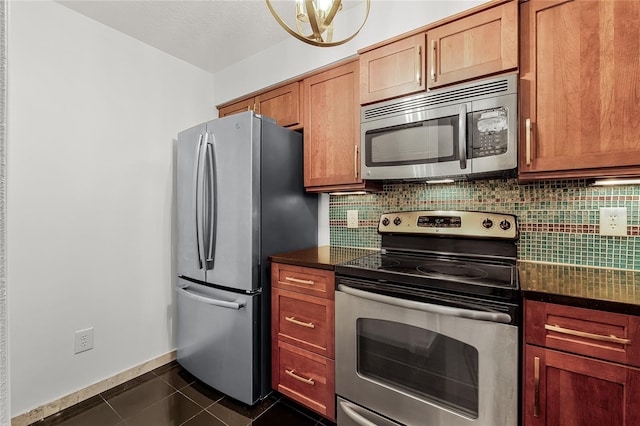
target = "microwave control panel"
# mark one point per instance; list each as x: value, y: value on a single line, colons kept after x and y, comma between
x: 490, y: 132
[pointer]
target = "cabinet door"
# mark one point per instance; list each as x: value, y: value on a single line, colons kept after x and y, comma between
x: 332, y: 127
x: 475, y: 46
x: 565, y: 389
x: 237, y: 107
x: 393, y: 70
x: 282, y: 104
x: 580, y: 96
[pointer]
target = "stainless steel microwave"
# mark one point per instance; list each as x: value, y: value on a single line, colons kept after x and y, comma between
x: 466, y: 131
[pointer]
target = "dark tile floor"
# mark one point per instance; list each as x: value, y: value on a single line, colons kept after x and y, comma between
x: 170, y: 396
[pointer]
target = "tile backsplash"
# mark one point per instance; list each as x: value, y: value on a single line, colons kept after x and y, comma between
x: 558, y: 220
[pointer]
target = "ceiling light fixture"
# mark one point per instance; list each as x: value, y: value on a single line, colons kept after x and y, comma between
x: 317, y: 18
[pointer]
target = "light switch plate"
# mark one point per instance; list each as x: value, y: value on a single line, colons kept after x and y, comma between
x: 613, y: 221
x: 352, y: 218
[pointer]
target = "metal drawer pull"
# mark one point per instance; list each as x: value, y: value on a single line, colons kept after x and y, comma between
x: 433, y: 60
x: 611, y: 339
x: 299, y: 281
x: 527, y: 138
x: 419, y: 66
x: 536, y: 386
x: 293, y: 374
x: 304, y: 324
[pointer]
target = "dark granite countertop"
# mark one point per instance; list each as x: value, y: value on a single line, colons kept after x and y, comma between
x: 325, y: 257
x: 605, y: 289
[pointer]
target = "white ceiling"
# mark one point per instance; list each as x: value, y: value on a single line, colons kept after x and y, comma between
x: 211, y: 34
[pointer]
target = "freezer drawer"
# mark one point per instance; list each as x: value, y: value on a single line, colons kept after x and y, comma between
x: 350, y: 414
x: 210, y: 323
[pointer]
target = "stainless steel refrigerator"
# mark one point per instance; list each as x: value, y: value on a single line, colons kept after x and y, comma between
x: 240, y: 199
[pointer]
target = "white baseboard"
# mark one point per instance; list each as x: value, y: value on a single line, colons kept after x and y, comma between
x: 67, y: 401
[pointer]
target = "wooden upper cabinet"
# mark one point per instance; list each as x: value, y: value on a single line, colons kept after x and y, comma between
x: 474, y: 46
x: 236, y: 107
x: 282, y: 104
x: 393, y: 70
x: 579, y: 89
x: 332, y: 129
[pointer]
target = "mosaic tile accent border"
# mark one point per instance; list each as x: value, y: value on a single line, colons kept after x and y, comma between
x: 558, y: 220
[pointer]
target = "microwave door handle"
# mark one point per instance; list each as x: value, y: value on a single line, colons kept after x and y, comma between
x: 462, y: 136
x: 428, y: 307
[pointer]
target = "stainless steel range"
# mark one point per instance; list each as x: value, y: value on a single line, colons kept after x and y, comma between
x: 427, y: 330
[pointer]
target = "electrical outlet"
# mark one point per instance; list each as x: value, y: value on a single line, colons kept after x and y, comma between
x: 352, y: 218
x: 613, y: 221
x: 83, y: 340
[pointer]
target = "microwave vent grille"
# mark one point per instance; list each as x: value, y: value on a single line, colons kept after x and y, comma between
x: 432, y: 99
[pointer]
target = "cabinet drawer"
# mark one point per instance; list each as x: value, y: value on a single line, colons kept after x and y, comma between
x: 605, y: 335
x: 315, y: 282
x: 304, y: 321
x: 305, y: 377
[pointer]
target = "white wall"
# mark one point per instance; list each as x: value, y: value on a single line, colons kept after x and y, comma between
x: 387, y: 18
x: 93, y: 115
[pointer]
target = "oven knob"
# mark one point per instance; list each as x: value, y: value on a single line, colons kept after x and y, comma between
x: 385, y: 221
x: 505, y: 225
x: 487, y: 223
x: 397, y: 221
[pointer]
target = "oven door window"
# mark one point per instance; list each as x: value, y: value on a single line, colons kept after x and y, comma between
x: 423, y: 363
x: 429, y: 141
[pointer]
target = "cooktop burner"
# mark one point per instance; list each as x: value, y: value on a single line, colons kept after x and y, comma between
x: 451, y: 269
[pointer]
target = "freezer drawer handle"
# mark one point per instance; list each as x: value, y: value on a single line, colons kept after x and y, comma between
x: 304, y: 324
x: 427, y: 307
x: 346, y: 407
x: 299, y: 281
x: 215, y: 302
x: 293, y: 374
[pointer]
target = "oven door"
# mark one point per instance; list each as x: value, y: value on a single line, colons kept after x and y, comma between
x: 418, y: 363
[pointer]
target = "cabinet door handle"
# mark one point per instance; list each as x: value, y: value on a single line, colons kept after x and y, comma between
x: 600, y: 337
x: 304, y: 324
x: 433, y: 60
x: 293, y: 374
x: 419, y: 66
x: 355, y: 162
x: 299, y: 281
x: 527, y: 138
x: 536, y: 386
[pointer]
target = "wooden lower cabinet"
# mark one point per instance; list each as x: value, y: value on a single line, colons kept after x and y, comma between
x: 303, y: 334
x: 581, y: 366
x: 567, y: 389
x: 304, y: 377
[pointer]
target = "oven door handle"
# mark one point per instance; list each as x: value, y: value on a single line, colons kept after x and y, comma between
x: 428, y: 307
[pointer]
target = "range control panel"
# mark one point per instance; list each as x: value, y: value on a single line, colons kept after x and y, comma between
x: 453, y: 222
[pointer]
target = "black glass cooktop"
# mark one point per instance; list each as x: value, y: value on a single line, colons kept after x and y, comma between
x: 460, y: 274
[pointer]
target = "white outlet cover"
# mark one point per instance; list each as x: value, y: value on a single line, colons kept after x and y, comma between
x: 613, y: 221
x: 83, y: 340
x: 352, y: 218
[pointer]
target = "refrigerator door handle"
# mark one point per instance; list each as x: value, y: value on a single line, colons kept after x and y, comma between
x: 196, y: 222
x: 213, y: 216
x: 201, y: 195
x: 210, y: 301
